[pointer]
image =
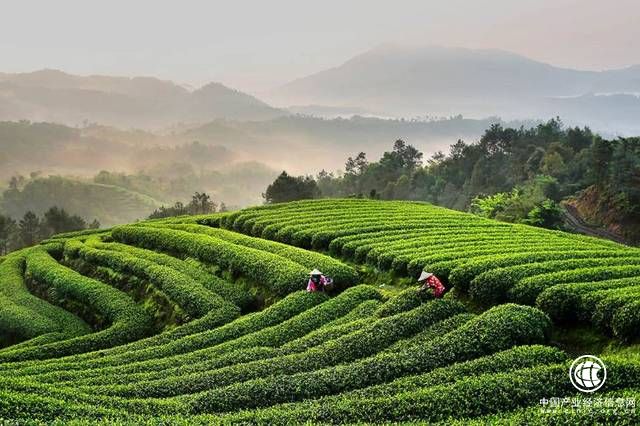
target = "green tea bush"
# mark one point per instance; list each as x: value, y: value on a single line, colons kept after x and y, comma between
x: 493, y: 286
x: 610, y: 304
x: 563, y: 415
x: 126, y: 320
x: 469, y: 397
x: 275, y: 272
x: 498, y: 329
x: 24, y: 316
x: 192, y: 297
x: 340, y: 272
x: 564, y: 302
x: 626, y: 320
x: 462, y: 276
x: 349, y: 356
x: 274, y: 336
x: 155, y: 352
x: 361, y: 343
x: 225, y: 289
x: 528, y: 289
x: 404, y: 301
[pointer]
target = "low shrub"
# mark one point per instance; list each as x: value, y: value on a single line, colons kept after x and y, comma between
x: 155, y: 349
x: 404, y: 301
x: 610, y: 303
x: 361, y: 343
x: 183, y: 290
x: 206, y: 358
x: 126, y: 320
x: 492, y: 287
x: 462, y: 276
x: 528, y: 289
x: 563, y: 302
x: 227, y: 290
x: 340, y: 272
x: 626, y: 320
x: 281, y: 275
x: 469, y: 397
x: 24, y: 316
x: 498, y: 329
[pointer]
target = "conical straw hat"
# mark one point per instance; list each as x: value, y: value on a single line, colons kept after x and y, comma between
x: 315, y: 272
x: 424, y: 275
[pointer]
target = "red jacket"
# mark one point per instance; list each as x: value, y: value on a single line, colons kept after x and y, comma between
x: 311, y: 286
x: 434, y: 283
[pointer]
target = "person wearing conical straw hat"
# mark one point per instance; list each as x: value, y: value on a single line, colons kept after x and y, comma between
x: 317, y: 281
x: 429, y: 281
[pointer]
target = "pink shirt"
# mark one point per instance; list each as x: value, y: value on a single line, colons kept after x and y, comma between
x: 311, y: 286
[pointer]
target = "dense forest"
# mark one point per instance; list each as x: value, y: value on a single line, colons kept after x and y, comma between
x: 512, y: 174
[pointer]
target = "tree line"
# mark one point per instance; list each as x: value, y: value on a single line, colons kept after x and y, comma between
x: 31, y: 228
x: 201, y: 203
x: 511, y: 174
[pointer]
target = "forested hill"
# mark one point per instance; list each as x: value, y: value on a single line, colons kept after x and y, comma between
x: 512, y: 174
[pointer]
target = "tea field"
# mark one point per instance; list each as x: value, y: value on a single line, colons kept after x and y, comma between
x: 205, y: 320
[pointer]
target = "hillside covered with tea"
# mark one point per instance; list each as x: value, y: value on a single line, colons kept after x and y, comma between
x: 206, y: 320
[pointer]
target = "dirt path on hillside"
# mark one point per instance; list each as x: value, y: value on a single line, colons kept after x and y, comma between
x: 576, y: 222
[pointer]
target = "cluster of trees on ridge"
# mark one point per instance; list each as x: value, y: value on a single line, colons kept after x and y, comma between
x: 116, y: 197
x: 201, y: 203
x: 109, y: 204
x: 31, y: 228
x: 511, y: 174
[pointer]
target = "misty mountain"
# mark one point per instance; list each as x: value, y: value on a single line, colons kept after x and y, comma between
x: 610, y: 114
x: 117, y: 176
x: 298, y: 143
x: 143, y: 102
x: 406, y: 81
x: 305, y: 145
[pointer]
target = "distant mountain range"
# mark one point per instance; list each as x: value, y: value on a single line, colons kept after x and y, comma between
x: 405, y: 81
x: 143, y: 102
x: 390, y: 81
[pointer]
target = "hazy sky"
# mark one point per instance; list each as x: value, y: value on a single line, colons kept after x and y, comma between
x: 255, y: 45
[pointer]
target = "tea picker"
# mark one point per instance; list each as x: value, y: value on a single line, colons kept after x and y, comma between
x: 318, y: 282
x: 427, y: 280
